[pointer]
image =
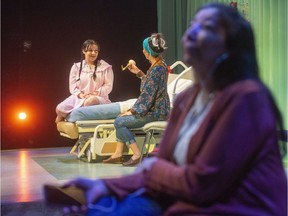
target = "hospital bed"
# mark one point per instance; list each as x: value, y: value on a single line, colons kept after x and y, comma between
x: 98, y: 137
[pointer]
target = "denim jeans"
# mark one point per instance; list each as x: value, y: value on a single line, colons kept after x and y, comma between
x: 124, y: 123
x: 135, y: 204
x: 95, y: 112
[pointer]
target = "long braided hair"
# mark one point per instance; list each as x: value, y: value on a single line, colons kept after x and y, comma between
x: 85, y: 48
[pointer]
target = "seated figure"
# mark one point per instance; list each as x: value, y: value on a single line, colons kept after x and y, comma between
x: 90, y: 81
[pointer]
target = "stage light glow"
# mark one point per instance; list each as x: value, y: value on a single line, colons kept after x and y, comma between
x: 22, y: 115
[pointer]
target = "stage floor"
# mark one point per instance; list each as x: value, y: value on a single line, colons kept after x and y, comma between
x: 25, y: 171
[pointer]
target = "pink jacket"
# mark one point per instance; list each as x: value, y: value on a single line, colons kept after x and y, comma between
x: 103, y: 85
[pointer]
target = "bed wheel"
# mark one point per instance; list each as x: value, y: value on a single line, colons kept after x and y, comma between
x: 90, y: 158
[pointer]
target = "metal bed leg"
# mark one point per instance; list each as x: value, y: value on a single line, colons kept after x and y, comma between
x: 146, y: 140
x: 149, y: 142
x: 72, y: 151
x: 82, y: 152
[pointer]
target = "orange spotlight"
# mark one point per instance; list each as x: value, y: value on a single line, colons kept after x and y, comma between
x: 22, y: 115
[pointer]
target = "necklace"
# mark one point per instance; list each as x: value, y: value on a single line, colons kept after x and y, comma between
x: 158, y: 61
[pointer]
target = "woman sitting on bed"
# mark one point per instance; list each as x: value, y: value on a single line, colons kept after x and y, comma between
x: 90, y: 81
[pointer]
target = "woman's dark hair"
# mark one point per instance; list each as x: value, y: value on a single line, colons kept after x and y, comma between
x: 85, y: 48
x: 240, y: 61
x: 157, y: 43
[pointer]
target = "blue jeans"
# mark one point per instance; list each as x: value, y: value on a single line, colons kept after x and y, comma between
x: 95, y: 112
x: 122, y: 125
x: 135, y: 204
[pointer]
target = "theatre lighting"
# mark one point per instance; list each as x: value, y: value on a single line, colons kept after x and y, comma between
x: 22, y: 115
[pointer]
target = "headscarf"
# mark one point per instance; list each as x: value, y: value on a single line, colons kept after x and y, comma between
x: 148, y: 49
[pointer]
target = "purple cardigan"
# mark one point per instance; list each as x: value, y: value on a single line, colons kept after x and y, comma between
x: 233, y: 166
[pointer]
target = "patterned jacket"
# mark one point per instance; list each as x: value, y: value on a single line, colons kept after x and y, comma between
x: 153, y: 99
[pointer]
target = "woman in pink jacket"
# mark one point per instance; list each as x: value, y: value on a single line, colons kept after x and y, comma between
x: 90, y: 81
x: 220, y: 153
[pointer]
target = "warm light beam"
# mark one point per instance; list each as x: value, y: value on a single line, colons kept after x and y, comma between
x: 22, y: 115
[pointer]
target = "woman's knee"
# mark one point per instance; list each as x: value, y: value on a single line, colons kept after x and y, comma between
x: 60, y: 113
x: 118, y: 122
x: 91, y: 101
x: 57, y: 109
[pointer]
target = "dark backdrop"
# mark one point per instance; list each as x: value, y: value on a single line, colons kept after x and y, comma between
x: 42, y: 39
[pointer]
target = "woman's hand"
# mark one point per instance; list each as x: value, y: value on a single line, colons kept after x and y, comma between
x: 94, y: 189
x: 133, y: 68
x: 126, y: 113
x: 83, y: 95
x: 95, y: 93
x: 146, y: 164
